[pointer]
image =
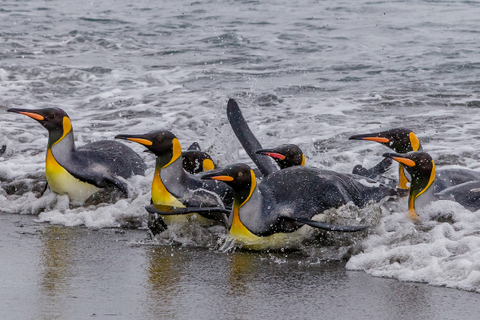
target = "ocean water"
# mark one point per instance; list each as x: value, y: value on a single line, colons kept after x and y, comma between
x: 305, y: 72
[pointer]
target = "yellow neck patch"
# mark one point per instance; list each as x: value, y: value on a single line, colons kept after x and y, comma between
x: 176, y: 151
x: 414, y: 141
x: 411, y: 200
x: 303, y: 160
x: 430, y: 181
x: 238, y: 229
x: 67, y: 127
x: 402, y: 181
x: 208, y: 165
x: 160, y: 194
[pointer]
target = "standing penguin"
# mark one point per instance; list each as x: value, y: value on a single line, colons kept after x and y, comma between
x: 81, y: 172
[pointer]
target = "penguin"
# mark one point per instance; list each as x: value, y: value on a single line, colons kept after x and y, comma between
x: 81, y: 172
x: 285, y: 155
x: 269, y: 214
x: 421, y: 168
x: 174, y: 189
x: 266, y: 213
x: 195, y: 160
x: 402, y: 140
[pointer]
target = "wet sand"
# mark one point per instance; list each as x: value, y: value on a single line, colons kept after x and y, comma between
x: 57, y: 272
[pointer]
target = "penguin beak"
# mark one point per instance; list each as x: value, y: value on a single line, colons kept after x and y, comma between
x: 369, y: 137
x: 34, y: 114
x: 271, y: 153
x: 400, y: 158
x: 218, y: 175
x: 142, y: 139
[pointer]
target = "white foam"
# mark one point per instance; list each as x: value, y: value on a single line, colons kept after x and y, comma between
x: 435, y: 252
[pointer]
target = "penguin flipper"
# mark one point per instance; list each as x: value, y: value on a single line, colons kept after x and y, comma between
x: 248, y: 139
x: 379, y: 169
x: 327, y: 226
x: 168, y: 210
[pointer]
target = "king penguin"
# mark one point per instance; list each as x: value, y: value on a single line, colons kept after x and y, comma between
x: 173, y: 189
x: 81, y: 172
x: 195, y: 160
x: 268, y: 213
x: 402, y: 140
x: 285, y: 155
x: 421, y: 168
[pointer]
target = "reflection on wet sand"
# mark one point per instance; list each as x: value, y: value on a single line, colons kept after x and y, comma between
x: 164, y: 275
x: 55, y: 271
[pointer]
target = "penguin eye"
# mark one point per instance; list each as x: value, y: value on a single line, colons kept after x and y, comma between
x: 240, y: 174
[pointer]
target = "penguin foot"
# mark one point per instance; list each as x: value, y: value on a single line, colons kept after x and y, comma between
x: 156, y: 225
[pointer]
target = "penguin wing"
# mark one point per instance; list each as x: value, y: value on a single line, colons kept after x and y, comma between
x: 120, y: 159
x: 215, y: 213
x: 449, y: 177
x: 467, y: 194
x: 86, y: 167
x: 327, y: 226
x: 248, y: 139
x: 168, y: 210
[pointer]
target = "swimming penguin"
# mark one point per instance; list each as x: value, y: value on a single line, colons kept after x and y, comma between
x: 195, y: 160
x: 400, y: 140
x: 265, y: 213
x: 81, y: 172
x: 421, y: 168
x: 173, y: 187
x: 403, y: 140
x: 285, y: 155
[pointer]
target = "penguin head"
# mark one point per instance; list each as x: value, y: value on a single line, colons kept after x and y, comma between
x: 239, y: 177
x: 196, y: 161
x: 400, y: 140
x: 421, y: 168
x: 286, y: 155
x: 163, y: 144
x: 55, y: 120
